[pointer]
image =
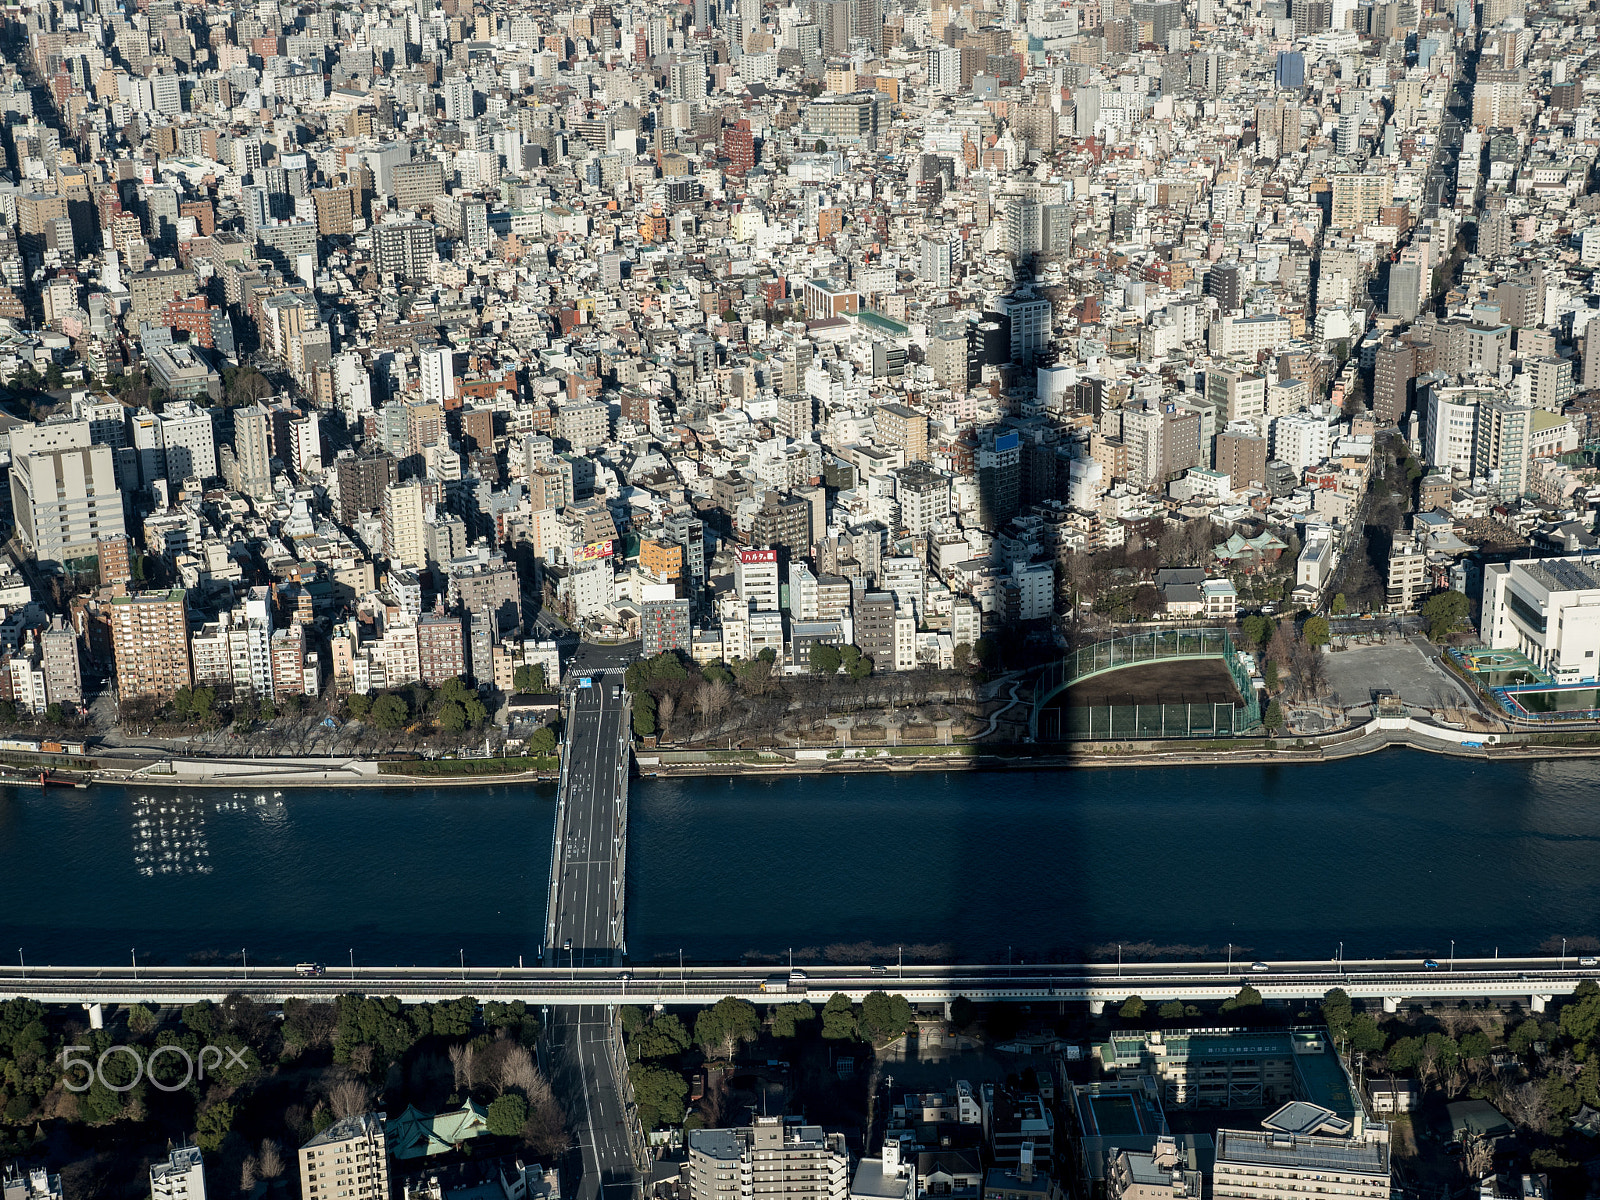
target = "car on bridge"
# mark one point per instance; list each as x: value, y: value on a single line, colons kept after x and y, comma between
x: 1259, y: 966
x: 1429, y: 964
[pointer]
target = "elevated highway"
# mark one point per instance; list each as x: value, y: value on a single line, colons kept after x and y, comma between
x: 1532, y: 982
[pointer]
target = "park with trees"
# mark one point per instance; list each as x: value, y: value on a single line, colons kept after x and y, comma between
x: 275, y: 1082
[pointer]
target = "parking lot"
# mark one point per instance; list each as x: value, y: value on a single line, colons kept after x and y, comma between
x: 1398, y: 666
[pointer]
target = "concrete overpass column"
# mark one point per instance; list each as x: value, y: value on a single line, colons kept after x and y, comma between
x: 97, y: 1019
x: 1392, y: 1003
x: 1540, y: 1001
x: 947, y: 1005
x: 1096, y: 1007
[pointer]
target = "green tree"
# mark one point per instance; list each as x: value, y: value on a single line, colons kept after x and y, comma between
x: 212, y: 1124
x: 451, y: 717
x: 1445, y: 1051
x: 839, y: 1018
x: 1475, y: 1046
x: 1315, y: 631
x: 358, y: 705
x: 664, y: 1037
x: 203, y: 1019
x: 856, y: 665
x: 529, y: 679
x: 1523, y: 1037
x: 1269, y: 676
x: 390, y: 712
x: 140, y: 1020
x: 1365, y: 1035
x: 507, y: 1115
x: 660, y: 1094
x: 1133, y: 1009
x: 1256, y: 630
x: 726, y: 1026
x: 1246, y: 997
x: 1580, y: 1021
x: 962, y: 1011
x: 1340, y: 605
x: 1405, y: 1054
x: 787, y: 1018
x: 644, y: 714
x: 633, y: 1019
x: 1445, y: 613
x: 1273, y: 717
x: 1560, y: 1096
x: 884, y: 1016
x: 269, y: 711
x: 542, y: 742
x: 1337, y: 1012
x: 825, y: 660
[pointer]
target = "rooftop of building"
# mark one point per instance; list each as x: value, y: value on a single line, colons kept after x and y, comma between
x: 1266, y: 1148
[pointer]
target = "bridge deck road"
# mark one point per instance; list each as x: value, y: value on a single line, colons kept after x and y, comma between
x: 587, y: 932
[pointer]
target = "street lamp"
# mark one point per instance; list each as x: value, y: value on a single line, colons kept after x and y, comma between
x: 246, y: 959
x: 352, y: 962
x: 1452, y: 954
x: 1563, y: 954
x: 681, y: 979
x: 1341, y: 958
x: 463, y: 955
x: 20, y: 961
x: 1119, y: 960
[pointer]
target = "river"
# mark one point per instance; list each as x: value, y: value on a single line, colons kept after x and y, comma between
x: 1394, y: 853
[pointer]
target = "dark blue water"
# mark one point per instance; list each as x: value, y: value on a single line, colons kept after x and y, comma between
x: 1392, y: 854
x: 407, y: 877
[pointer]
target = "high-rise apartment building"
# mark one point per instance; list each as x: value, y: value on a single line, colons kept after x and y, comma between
x: 252, y: 451
x: 405, y: 540
x: 774, y: 1159
x: 1501, y: 447
x: 1357, y: 199
x: 1394, y: 370
x: 150, y: 644
x: 899, y: 425
x: 1030, y: 327
x: 439, y: 377
x: 65, y: 498
x: 63, y: 673
x: 663, y: 620
x: 188, y: 441
x: 349, y: 1160
x: 755, y: 579
x: 403, y: 249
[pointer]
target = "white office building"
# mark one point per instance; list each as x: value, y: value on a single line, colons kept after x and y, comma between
x: 1549, y: 609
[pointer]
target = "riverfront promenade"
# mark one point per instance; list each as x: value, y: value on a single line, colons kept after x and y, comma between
x: 585, y: 931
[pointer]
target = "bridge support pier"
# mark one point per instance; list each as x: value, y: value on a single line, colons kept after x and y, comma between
x: 1392, y: 1003
x: 97, y: 1018
x: 1096, y: 1007
x: 1539, y: 1002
